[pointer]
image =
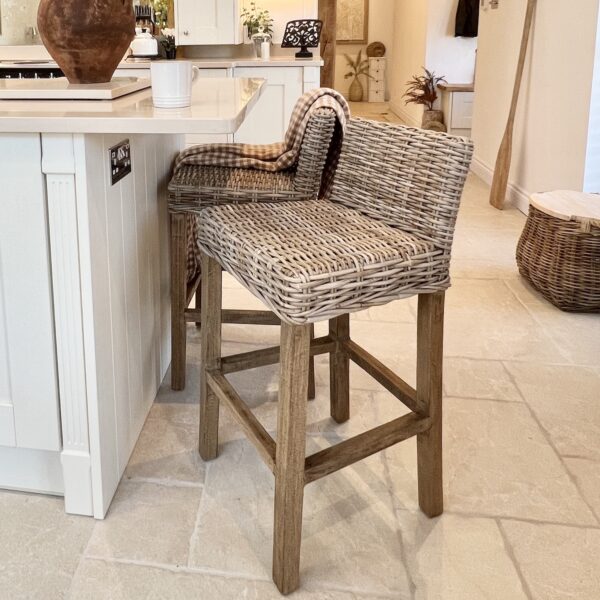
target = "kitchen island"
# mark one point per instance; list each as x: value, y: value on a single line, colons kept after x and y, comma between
x: 84, y: 279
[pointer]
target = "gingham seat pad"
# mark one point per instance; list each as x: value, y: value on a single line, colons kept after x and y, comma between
x: 313, y: 260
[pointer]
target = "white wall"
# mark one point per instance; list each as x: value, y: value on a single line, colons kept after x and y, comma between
x: 452, y: 57
x: 550, y: 141
x: 424, y: 37
x: 381, y: 29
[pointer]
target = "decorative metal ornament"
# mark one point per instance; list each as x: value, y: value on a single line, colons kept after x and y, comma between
x: 303, y: 34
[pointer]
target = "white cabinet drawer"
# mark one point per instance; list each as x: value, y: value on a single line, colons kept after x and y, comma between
x: 462, y: 110
x: 376, y: 85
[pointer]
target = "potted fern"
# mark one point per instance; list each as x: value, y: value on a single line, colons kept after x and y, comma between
x: 357, y: 67
x: 422, y: 90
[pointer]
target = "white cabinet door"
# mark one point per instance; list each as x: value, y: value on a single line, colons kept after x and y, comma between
x: 29, y: 413
x: 207, y: 22
x: 269, y: 119
x: 30, y: 439
x: 462, y: 110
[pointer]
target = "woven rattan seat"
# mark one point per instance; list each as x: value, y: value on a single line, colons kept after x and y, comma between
x: 193, y: 188
x: 386, y: 232
x: 314, y: 260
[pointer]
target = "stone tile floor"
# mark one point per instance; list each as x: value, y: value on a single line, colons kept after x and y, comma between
x: 522, y: 468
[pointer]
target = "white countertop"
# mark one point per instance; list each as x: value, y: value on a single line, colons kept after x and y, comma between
x: 218, y: 106
x: 203, y: 63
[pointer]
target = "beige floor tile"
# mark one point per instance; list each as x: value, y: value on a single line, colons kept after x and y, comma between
x: 166, y: 450
x: 488, y: 379
x: 587, y: 475
x: 558, y: 563
x: 100, y: 580
x: 40, y: 546
x: 486, y: 252
x: 578, y: 335
x: 566, y: 400
x: 350, y: 537
x: 484, y: 319
x: 497, y: 463
x: 147, y: 522
x: 461, y: 558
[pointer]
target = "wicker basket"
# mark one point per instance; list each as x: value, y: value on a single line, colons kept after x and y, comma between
x: 560, y: 256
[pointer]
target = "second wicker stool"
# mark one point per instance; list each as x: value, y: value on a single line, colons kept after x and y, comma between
x: 193, y: 188
x: 386, y: 233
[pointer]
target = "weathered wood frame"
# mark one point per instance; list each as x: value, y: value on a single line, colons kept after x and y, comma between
x: 286, y: 456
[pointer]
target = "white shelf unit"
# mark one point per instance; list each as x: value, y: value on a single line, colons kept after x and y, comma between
x: 377, y: 68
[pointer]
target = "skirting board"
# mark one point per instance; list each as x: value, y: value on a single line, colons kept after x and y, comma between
x: 37, y: 471
x: 517, y: 196
x: 399, y: 110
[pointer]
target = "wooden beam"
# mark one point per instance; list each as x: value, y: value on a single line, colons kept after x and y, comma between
x: 269, y: 356
x: 386, y: 377
x: 328, y: 14
x: 430, y: 359
x: 291, y: 444
x: 350, y: 451
x: 210, y: 356
x: 256, y: 433
x: 239, y: 317
x: 178, y: 301
x: 339, y: 370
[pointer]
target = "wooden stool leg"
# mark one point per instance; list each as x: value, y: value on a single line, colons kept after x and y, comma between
x: 339, y: 371
x: 312, y: 388
x: 211, y: 355
x: 178, y: 297
x: 198, y: 301
x: 430, y: 355
x: 289, y: 467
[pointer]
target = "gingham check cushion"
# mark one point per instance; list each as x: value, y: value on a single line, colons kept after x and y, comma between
x: 270, y: 157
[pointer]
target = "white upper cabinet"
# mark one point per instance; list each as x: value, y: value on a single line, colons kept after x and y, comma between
x: 208, y: 22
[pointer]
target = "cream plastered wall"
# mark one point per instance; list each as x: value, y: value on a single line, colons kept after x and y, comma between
x: 381, y: 29
x: 409, y: 54
x: 551, y: 130
x: 592, y: 169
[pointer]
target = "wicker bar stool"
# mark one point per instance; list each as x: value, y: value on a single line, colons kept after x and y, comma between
x: 193, y: 188
x: 385, y: 233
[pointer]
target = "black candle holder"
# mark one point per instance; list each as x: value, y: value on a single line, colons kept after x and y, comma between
x: 303, y: 34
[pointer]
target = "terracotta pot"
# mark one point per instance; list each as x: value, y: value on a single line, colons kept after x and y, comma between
x: 356, y: 91
x: 87, y: 38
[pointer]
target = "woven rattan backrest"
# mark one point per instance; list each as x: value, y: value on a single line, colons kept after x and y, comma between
x: 408, y: 178
x: 314, y: 151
